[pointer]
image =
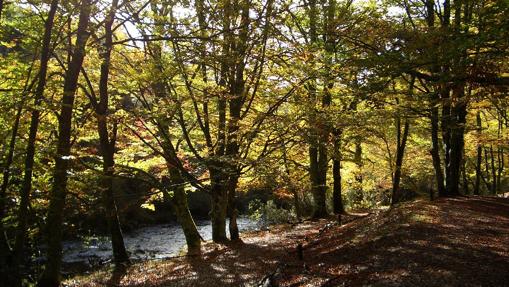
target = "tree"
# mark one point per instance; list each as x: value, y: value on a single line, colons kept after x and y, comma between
x: 30, y: 147
x: 51, y: 274
x: 107, y: 143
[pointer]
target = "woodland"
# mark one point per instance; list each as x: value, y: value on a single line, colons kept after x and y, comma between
x: 120, y: 114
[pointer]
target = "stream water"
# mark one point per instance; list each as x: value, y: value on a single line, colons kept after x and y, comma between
x: 152, y: 242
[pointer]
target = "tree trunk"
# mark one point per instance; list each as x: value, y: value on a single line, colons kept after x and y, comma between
x: 478, y: 171
x: 337, y: 200
x: 51, y: 274
x: 465, y: 177
x: 232, y: 208
x: 446, y: 138
x: 177, y: 183
x: 107, y: 145
x: 359, y: 178
x: 216, y: 166
x: 179, y: 199
x: 458, y: 113
x: 500, y: 154
x: 435, y: 151
x: 317, y: 156
x: 487, y: 170
x: 120, y: 255
x: 455, y: 107
x: 434, y: 117
x: 26, y: 187
x: 400, y: 153
x: 493, y: 172
x: 500, y: 167
x: 184, y: 217
x: 293, y: 189
x: 219, y: 205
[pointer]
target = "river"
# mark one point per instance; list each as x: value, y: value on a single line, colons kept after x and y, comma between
x: 151, y: 242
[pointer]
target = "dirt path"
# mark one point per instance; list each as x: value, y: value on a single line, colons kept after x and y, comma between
x: 450, y: 242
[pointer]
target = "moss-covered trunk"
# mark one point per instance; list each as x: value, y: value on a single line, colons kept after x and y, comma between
x: 184, y: 217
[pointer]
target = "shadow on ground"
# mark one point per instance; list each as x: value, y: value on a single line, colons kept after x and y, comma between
x: 449, y: 242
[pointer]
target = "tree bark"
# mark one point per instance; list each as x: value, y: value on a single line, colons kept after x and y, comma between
x: 232, y: 208
x: 184, y: 217
x: 500, y: 153
x: 457, y: 143
x: 487, y: 170
x: 435, y: 150
x: 493, y: 172
x: 216, y: 165
x: 359, y: 178
x: 400, y: 153
x: 319, y: 132
x: 51, y: 274
x: 478, y: 171
x: 107, y: 145
x: 235, y: 103
x: 21, y: 229
x: 337, y: 200
x: 434, y: 117
x: 219, y: 204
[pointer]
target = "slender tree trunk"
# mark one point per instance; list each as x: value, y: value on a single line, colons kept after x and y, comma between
x: 400, y: 153
x: 107, y: 145
x: 465, y: 177
x: 435, y: 150
x: 500, y: 167
x: 487, y: 170
x: 232, y: 208
x: 120, y: 255
x: 359, y: 178
x: 446, y: 138
x: 337, y: 200
x: 478, y: 171
x: 493, y: 172
x: 500, y: 153
x: 51, y: 274
x: 32, y: 136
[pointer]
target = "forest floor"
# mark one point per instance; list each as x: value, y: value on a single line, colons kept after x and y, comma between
x: 447, y: 242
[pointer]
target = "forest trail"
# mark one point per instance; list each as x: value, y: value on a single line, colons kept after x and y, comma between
x: 449, y: 242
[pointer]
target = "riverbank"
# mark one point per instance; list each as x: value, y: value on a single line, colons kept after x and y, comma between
x: 449, y: 242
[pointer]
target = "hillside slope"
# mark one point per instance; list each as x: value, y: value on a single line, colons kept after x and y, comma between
x: 449, y: 242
